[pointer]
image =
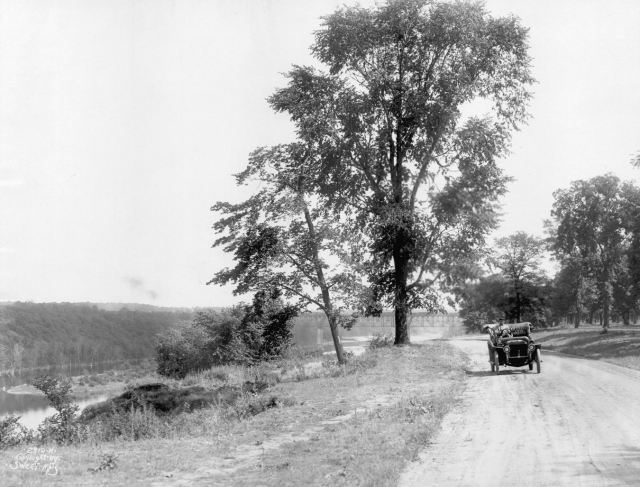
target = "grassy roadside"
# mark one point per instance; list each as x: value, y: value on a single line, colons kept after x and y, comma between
x: 620, y: 346
x: 325, y: 427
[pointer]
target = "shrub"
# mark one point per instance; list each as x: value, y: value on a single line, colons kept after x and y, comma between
x: 60, y: 427
x: 241, y: 334
x: 181, y: 350
x: 381, y: 340
x: 12, y: 433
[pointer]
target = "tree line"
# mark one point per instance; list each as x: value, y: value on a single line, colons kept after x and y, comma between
x: 594, y: 238
x: 44, y: 334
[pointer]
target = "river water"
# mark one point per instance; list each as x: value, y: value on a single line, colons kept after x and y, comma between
x: 34, y: 408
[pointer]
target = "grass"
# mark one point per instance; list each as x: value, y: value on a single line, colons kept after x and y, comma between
x: 620, y: 345
x: 318, y: 424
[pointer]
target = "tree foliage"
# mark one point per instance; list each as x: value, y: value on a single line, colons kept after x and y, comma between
x: 594, y: 229
x: 394, y: 149
x: 494, y: 296
x: 45, y: 334
x: 242, y: 334
x: 284, y: 237
x: 518, y: 256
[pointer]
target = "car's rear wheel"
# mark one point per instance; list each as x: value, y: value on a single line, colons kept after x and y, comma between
x: 538, y: 360
x: 496, y: 361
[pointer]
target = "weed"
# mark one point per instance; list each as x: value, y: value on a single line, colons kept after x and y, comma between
x: 108, y: 461
x: 216, y: 374
x: 250, y: 405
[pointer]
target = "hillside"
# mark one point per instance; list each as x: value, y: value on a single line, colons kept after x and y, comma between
x: 36, y: 334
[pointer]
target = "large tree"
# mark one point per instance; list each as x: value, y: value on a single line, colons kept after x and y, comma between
x: 518, y: 256
x: 283, y: 237
x: 387, y: 121
x: 590, y: 225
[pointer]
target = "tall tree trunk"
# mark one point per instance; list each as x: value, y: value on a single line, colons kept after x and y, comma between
x: 337, y: 343
x: 326, y: 297
x: 518, y: 314
x: 606, y: 296
x: 401, y: 262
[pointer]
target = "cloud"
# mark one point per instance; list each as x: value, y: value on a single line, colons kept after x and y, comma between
x: 138, y: 284
x: 134, y: 282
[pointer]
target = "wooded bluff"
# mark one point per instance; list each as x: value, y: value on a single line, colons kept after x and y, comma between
x: 41, y: 334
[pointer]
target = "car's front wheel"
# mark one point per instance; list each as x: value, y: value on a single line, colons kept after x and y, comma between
x: 538, y: 360
x: 496, y: 361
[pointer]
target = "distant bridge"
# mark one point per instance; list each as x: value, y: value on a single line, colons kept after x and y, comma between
x: 312, y: 329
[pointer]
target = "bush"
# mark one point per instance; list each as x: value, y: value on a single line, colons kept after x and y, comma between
x: 61, y: 427
x: 12, y: 433
x: 238, y: 335
x: 181, y: 350
x: 381, y: 340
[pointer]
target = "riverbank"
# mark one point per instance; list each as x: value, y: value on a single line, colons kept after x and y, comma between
x: 356, y: 426
x: 109, y: 383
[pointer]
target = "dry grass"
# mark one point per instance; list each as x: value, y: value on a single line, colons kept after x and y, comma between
x: 351, y: 426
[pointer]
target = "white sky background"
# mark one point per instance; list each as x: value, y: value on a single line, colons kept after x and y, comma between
x: 121, y: 123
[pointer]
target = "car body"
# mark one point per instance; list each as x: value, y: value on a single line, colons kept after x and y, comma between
x: 511, y: 345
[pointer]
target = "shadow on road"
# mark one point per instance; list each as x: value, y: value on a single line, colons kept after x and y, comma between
x: 486, y: 373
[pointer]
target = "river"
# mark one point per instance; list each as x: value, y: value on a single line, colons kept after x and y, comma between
x: 32, y: 408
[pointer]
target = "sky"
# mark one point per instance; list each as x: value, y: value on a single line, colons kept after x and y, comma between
x: 122, y: 123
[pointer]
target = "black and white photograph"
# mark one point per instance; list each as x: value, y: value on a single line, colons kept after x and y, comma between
x: 265, y: 243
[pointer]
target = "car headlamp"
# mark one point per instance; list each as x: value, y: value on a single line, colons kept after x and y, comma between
x: 506, y: 349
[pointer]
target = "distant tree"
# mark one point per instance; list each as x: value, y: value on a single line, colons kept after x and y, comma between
x: 483, y: 301
x: 284, y: 237
x: 635, y: 161
x: 493, y: 297
x: 518, y: 256
x: 631, y: 217
x: 589, y: 224
x: 394, y: 147
x: 574, y: 290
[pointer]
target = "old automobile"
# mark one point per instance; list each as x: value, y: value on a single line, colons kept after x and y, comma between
x: 512, y: 345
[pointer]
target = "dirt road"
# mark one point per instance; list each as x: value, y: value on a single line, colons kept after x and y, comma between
x: 575, y: 424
